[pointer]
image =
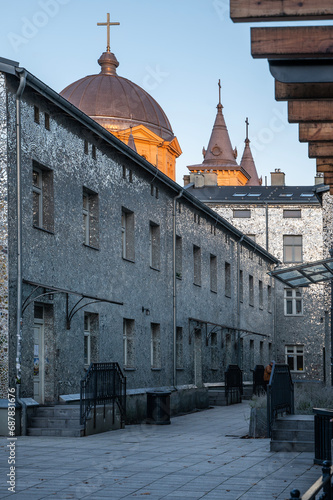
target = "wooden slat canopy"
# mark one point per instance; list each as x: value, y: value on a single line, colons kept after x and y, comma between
x: 287, y: 91
x: 292, y: 42
x: 300, y: 59
x: 310, y: 111
x: 310, y: 132
x: 280, y: 10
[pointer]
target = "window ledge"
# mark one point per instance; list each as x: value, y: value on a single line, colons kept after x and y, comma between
x: 180, y: 369
x: 129, y: 369
x: 129, y: 260
x: 213, y: 291
x: 294, y: 315
x: 90, y: 246
x: 227, y: 295
x: 156, y: 369
x: 43, y: 229
x: 155, y: 269
x: 197, y: 284
x: 251, y: 305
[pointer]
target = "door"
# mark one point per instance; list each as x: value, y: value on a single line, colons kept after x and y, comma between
x: 38, y: 362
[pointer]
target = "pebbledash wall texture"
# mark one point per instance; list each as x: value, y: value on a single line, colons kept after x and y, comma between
x: 304, y: 332
x: 3, y: 242
x: 73, y: 171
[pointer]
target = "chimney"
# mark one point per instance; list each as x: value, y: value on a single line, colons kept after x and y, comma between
x: 319, y: 178
x: 277, y: 178
x: 186, y: 180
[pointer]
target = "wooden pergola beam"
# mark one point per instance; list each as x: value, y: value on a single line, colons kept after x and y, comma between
x: 310, y: 111
x: 320, y: 149
x: 289, y: 91
x: 246, y: 11
x: 318, y: 132
x: 292, y: 42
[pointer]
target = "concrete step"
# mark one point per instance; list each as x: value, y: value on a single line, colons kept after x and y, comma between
x: 305, y: 422
x: 288, y: 446
x: 65, y: 411
x: 54, y: 422
x: 292, y: 435
x: 46, y: 431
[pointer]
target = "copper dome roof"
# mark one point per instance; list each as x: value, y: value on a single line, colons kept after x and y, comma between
x: 115, y: 102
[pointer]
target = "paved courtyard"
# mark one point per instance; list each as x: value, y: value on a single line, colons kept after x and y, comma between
x: 200, y: 455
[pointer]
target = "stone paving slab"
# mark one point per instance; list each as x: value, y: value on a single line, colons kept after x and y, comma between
x: 200, y: 455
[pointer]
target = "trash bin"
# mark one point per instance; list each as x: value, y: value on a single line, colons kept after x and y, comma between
x: 158, y: 407
x: 323, y: 427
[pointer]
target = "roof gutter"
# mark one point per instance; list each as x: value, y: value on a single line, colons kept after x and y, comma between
x: 301, y: 70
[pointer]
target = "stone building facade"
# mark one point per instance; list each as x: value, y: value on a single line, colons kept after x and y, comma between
x: 291, y: 222
x: 119, y: 263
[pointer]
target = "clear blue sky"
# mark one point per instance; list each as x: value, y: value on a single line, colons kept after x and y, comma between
x: 177, y: 50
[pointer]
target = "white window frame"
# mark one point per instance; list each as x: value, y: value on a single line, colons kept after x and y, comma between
x: 293, y: 352
x: 86, y: 217
x: 38, y: 189
x: 293, y: 296
x: 87, y: 339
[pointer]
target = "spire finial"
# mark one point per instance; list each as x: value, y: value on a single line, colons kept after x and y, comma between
x: 247, y: 129
x: 220, y: 92
x: 108, y: 24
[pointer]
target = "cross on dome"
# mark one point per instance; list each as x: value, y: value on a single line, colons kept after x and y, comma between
x: 108, y: 25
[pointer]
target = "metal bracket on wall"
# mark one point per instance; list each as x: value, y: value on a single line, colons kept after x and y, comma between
x: 51, y: 290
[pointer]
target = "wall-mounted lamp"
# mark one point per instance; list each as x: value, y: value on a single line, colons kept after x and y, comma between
x: 147, y: 311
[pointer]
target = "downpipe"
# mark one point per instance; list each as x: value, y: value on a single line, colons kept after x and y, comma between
x: 174, y: 293
x: 20, y: 90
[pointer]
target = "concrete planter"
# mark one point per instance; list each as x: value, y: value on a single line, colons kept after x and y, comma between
x: 258, y: 423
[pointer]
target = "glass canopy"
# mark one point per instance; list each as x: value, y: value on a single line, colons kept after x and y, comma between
x: 305, y: 274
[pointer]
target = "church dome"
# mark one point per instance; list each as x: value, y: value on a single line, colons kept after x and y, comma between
x: 115, y: 102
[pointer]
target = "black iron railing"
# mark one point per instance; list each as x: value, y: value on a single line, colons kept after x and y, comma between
x: 258, y: 380
x: 323, y: 426
x: 323, y: 483
x: 233, y: 381
x: 103, y: 384
x: 280, y: 394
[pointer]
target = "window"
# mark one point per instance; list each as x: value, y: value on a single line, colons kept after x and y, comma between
x: 261, y: 352
x: 155, y: 346
x: 196, y: 265
x: 179, y: 347
x: 90, y: 347
x: 36, y: 114
x: 127, y: 231
x: 213, y: 273
x: 87, y: 340
x: 269, y: 298
x: 128, y: 343
x: 179, y: 257
x: 214, y: 350
x: 251, y: 291
x: 293, y: 302
x: 86, y: 147
x: 154, y: 243
x: 294, y: 357
x: 43, y: 202
x: 227, y: 279
x: 241, y: 286
x: 242, y: 214
x: 261, y: 296
x: 291, y: 214
x: 93, y: 151
x: 90, y: 218
x: 47, y: 121
x: 292, y: 249
x: 251, y: 354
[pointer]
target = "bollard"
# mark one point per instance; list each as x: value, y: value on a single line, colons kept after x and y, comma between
x: 327, y: 489
x: 295, y: 494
